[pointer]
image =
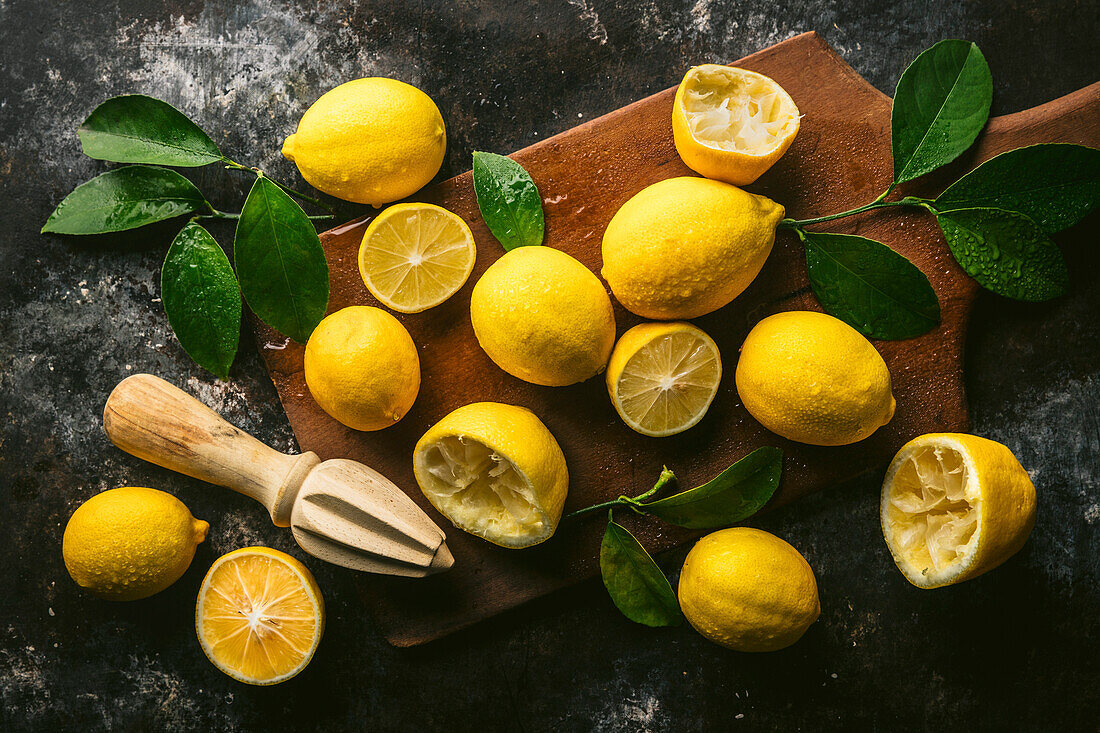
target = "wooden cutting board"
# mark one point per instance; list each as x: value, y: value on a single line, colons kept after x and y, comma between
x: 840, y: 159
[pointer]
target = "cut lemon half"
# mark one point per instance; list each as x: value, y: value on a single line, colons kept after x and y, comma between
x: 954, y: 506
x: 732, y: 124
x: 494, y: 471
x: 662, y: 377
x: 259, y: 615
x: 415, y: 256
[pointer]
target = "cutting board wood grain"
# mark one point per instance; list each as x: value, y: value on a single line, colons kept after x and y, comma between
x: 840, y: 159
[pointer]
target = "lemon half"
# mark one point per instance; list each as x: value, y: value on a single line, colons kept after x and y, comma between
x: 953, y: 507
x: 415, y: 256
x: 494, y: 471
x: 732, y: 124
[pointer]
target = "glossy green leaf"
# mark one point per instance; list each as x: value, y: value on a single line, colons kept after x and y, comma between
x: 280, y: 262
x: 1006, y: 252
x: 870, y: 286
x: 135, y: 128
x: 636, y: 585
x: 202, y: 299
x: 123, y: 199
x: 732, y: 496
x: 940, y: 105
x: 509, y: 201
x: 1055, y: 184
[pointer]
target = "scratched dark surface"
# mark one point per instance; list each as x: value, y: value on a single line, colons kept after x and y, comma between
x: 1016, y: 649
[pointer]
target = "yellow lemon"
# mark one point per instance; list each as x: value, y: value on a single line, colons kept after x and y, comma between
x: 129, y: 543
x: 370, y: 141
x: 495, y: 471
x: 362, y: 368
x: 543, y: 317
x: 415, y: 256
x: 748, y: 590
x: 814, y: 379
x: 259, y: 616
x: 954, y: 506
x: 732, y: 124
x: 684, y: 247
x: 662, y: 377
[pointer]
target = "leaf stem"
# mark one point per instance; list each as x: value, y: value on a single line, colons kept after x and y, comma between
x: 215, y: 214
x: 233, y: 165
x: 635, y: 503
x: 878, y: 203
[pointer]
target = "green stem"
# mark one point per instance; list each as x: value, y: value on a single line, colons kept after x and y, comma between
x: 634, y: 503
x: 215, y: 214
x: 876, y: 204
x: 233, y: 165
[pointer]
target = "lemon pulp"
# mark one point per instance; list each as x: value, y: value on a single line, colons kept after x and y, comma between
x: 738, y: 110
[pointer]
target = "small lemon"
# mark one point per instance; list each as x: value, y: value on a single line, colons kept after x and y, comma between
x: 543, y: 317
x: 748, y: 590
x: 371, y: 141
x: 814, y: 379
x: 495, y: 471
x: 129, y: 543
x: 362, y: 368
x: 954, y: 506
x: 732, y: 124
x: 684, y: 247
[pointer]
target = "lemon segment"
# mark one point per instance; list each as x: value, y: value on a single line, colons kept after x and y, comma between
x: 953, y: 507
x: 732, y: 124
x: 259, y: 615
x: 494, y: 471
x: 663, y: 376
x: 415, y: 256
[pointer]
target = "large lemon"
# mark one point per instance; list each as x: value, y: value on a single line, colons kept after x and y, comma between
x: 543, y: 317
x: 748, y: 590
x: 129, y: 543
x: 684, y: 247
x: 812, y: 378
x: 362, y: 368
x: 370, y: 141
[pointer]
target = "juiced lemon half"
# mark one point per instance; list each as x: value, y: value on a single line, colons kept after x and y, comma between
x: 954, y: 506
x: 732, y: 124
x: 415, y: 256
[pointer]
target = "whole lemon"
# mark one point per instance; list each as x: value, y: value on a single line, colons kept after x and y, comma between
x: 543, y: 317
x: 748, y: 590
x: 129, y: 543
x: 685, y: 247
x: 370, y: 141
x: 814, y: 379
x: 362, y: 367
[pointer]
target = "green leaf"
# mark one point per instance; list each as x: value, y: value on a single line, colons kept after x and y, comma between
x: 139, y: 129
x: 940, y: 105
x: 280, y: 262
x: 732, y: 496
x: 202, y: 299
x: 1055, y: 184
x: 123, y: 199
x: 636, y: 585
x: 870, y: 286
x: 1006, y: 252
x: 509, y: 201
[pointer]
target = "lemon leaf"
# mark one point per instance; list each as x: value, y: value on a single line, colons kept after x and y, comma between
x: 1055, y: 184
x: 732, y: 496
x: 134, y: 128
x: 125, y: 198
x: 202, y: 299
x: 1006, y: 252
x: 508, y: 200
x: 280, y: 262
x: 636, y: 585
x: 870, y: 286
x: 940, y: 105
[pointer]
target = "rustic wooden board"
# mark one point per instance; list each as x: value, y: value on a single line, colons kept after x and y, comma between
x: 840, y: 159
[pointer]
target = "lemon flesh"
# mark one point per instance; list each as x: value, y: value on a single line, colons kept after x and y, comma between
x: 732, y: 124
x: 494, y: 471
x: 415, y: 256
x: 663, y: 376
x: 953, y: 507
x: 259, y: 616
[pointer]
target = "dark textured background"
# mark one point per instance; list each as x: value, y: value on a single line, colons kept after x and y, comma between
x: 1014, y: 649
